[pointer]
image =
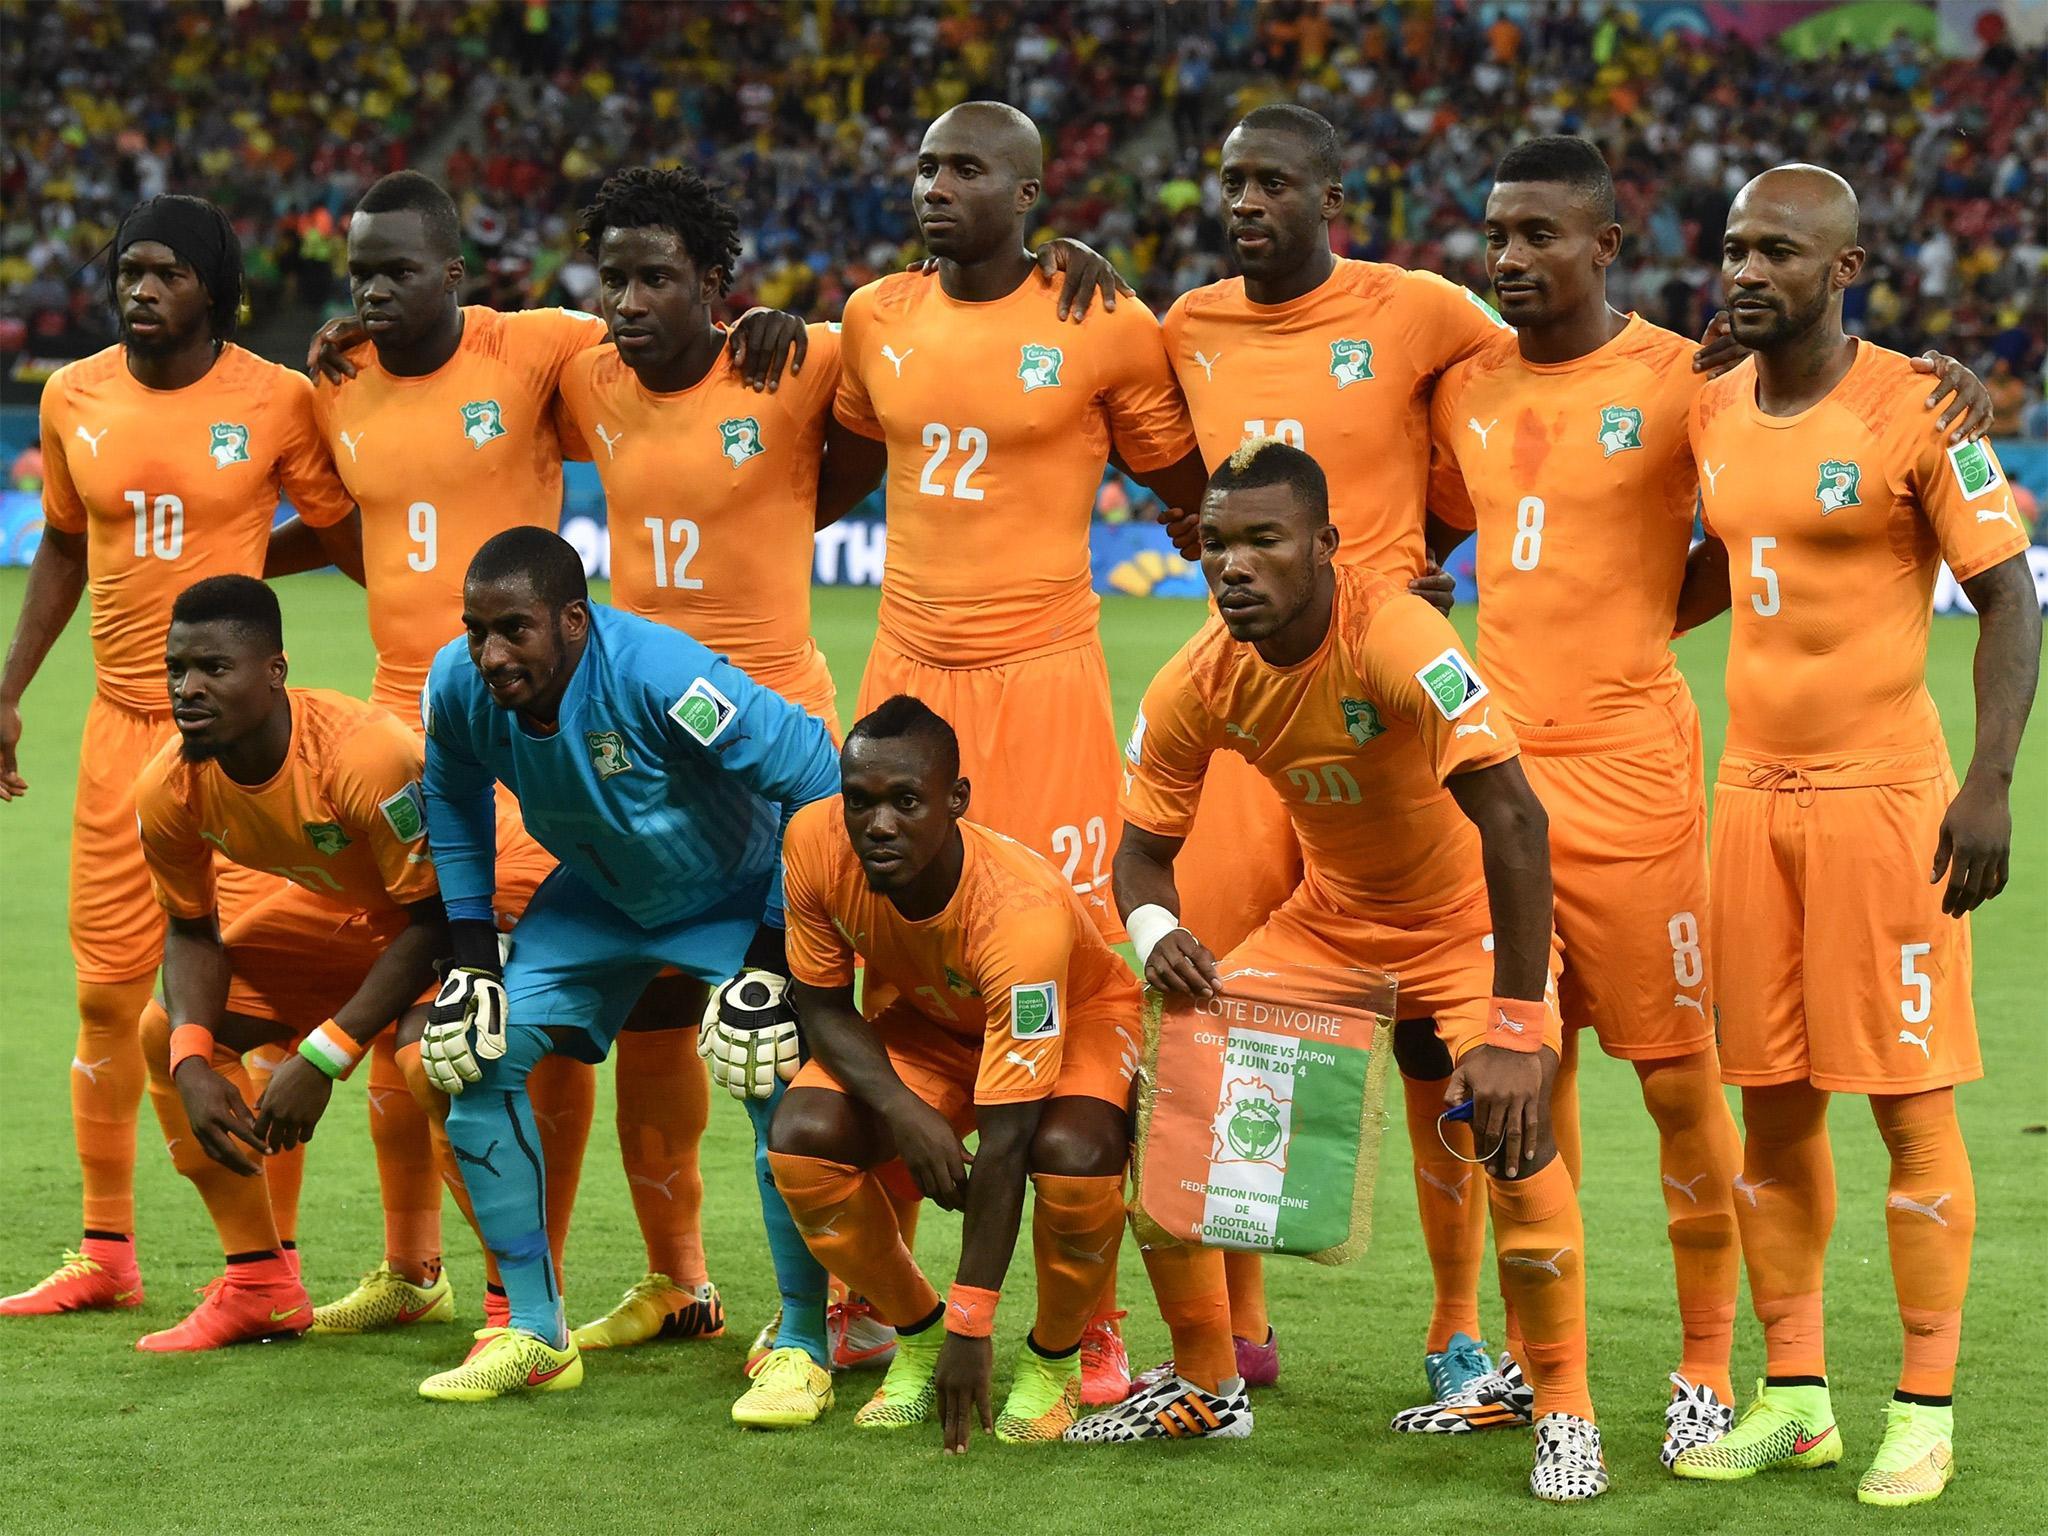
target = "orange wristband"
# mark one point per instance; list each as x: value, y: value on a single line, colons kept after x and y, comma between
x: 189, y: 1040
x: 1516, y: 1024
x: 971, y: 1311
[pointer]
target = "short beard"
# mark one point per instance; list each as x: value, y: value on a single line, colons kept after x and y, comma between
x: 197, y: 751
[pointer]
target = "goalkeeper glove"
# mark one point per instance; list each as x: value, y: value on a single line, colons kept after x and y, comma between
x: 749, y: 1036
x: 466, y: 1020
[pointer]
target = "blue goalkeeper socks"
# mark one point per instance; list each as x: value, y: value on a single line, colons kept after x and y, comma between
x: 800, y: 1277
x: 497, y: 1147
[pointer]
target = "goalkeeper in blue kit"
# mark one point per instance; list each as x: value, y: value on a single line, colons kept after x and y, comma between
x: 661, y: 777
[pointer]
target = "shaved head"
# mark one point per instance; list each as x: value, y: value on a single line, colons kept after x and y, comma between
x: 1812, y: 197
x: 1005, y: 136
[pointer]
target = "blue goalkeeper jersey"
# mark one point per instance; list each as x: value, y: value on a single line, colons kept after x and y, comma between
x: 665, y: 785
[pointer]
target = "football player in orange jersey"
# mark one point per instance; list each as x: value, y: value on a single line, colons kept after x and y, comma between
x: 320, y: 789
x: 995, y: 421
x: 1846, y: 858
x: 1011, y: 1016
x: 1565, y: 442
x: 1425, y: 856
x: 164, y: 457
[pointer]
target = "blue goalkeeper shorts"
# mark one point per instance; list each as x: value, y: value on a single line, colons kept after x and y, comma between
x: 580, y: 963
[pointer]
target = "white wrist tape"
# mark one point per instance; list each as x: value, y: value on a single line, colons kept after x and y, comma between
x: 1147, y: 926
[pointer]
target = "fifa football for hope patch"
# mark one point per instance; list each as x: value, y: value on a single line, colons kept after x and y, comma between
x: 1451, y: 684
x: 703, y: 711
x: 406, y: 813
x: 1034, y: 1010
x: 1975, y: 468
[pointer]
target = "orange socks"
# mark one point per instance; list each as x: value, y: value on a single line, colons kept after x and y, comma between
x: 1194, y: 1298
x: 284, y: 1173
x: 407, y: 1179
x: 1785, y: 1209
x: 1076, y: 1226
x: 1245, y: 1275
x: 846, y: 1220
x: 1453, y: 1217
x: 1699, y: 1153
x: 106, y: 1095
x: 1541, y: 1243
x: 563, y: 1092
x: 1564, y: 1108
x: 239, y: 1205
x: 1931, y: 1219
x: 664, y: 1098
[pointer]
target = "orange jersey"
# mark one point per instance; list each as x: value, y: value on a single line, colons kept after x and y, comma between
x: 343, y: 817
x: 1012, y: 955
x: 1343, y: 373
x: 173, y: 486
x: 999, y: 418
x: 1579, y: 478
x: 713, y: 492
x: 1836, y: 520
x: 442, y: 462
x: 1357, y: 740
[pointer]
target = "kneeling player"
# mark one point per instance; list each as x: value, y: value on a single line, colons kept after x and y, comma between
x: 1423, y: 849
x: 994, y: 1005
x: 323, y: 790
x: 660, y: 777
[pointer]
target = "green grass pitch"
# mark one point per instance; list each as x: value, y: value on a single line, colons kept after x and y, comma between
x: 326, y: 1435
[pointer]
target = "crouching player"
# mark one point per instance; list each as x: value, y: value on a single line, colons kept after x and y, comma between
x: 323, y: 790
x: 661, y: 778
x: 1424, y: 854
x: 994, y: 1005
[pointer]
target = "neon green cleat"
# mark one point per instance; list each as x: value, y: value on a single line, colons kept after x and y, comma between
x: 1044, y: 1400
x: 1784, y: 1427
x: 790, y: 1391
x: 655, y: 1307
x: 1916, y: 1460
x: 386, y: 1299
x: 507, y: 1360
x: 906, y: 1395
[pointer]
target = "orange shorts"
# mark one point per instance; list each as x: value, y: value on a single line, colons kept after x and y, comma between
x: 1442, y: 969
x: 1038, y: 744
x: 1872, y: 994
x: 1098, y: 1058
x: 1628, y: 858
x: 1240, y: 860
x: 117, y: 929
x: 295, y: 958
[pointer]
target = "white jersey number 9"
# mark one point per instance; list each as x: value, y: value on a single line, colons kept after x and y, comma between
x: 423, y: 527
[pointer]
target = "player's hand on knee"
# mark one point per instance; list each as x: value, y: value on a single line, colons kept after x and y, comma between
x: 749, y: 1036
x: 292, y: 1104
x: 218, y: 1117
x: 1180, y: 962
x: 961, y: 1381
x: 932, y: 1152
x: 466, y: 1021
x: 1510, y: 1108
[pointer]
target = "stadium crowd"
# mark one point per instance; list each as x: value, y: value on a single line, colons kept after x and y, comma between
x: 809, y: 115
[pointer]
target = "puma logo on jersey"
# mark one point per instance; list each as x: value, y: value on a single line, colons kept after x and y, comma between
x: 1479, y: 727
x: 1931, y: 1212
x: 897, y: 361
x: 90, y: 439
x: 1240, y: 733
x: 1713, y: 474
x: 1907, y: 1037
x: 1998, y: 514
x: 352, y: 443
x: 1686, y: 1189
x: 1208, y: 364
x: 90, y: 1070
x: 661, y: 1184
x: 1455, y: 1193
x: 1473, y: 423
x: 1028, y: 1063
x: 1548, y: 1266
x: 610, y: 441
x: 1748, y: 1190
x: 1682, y: 1001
